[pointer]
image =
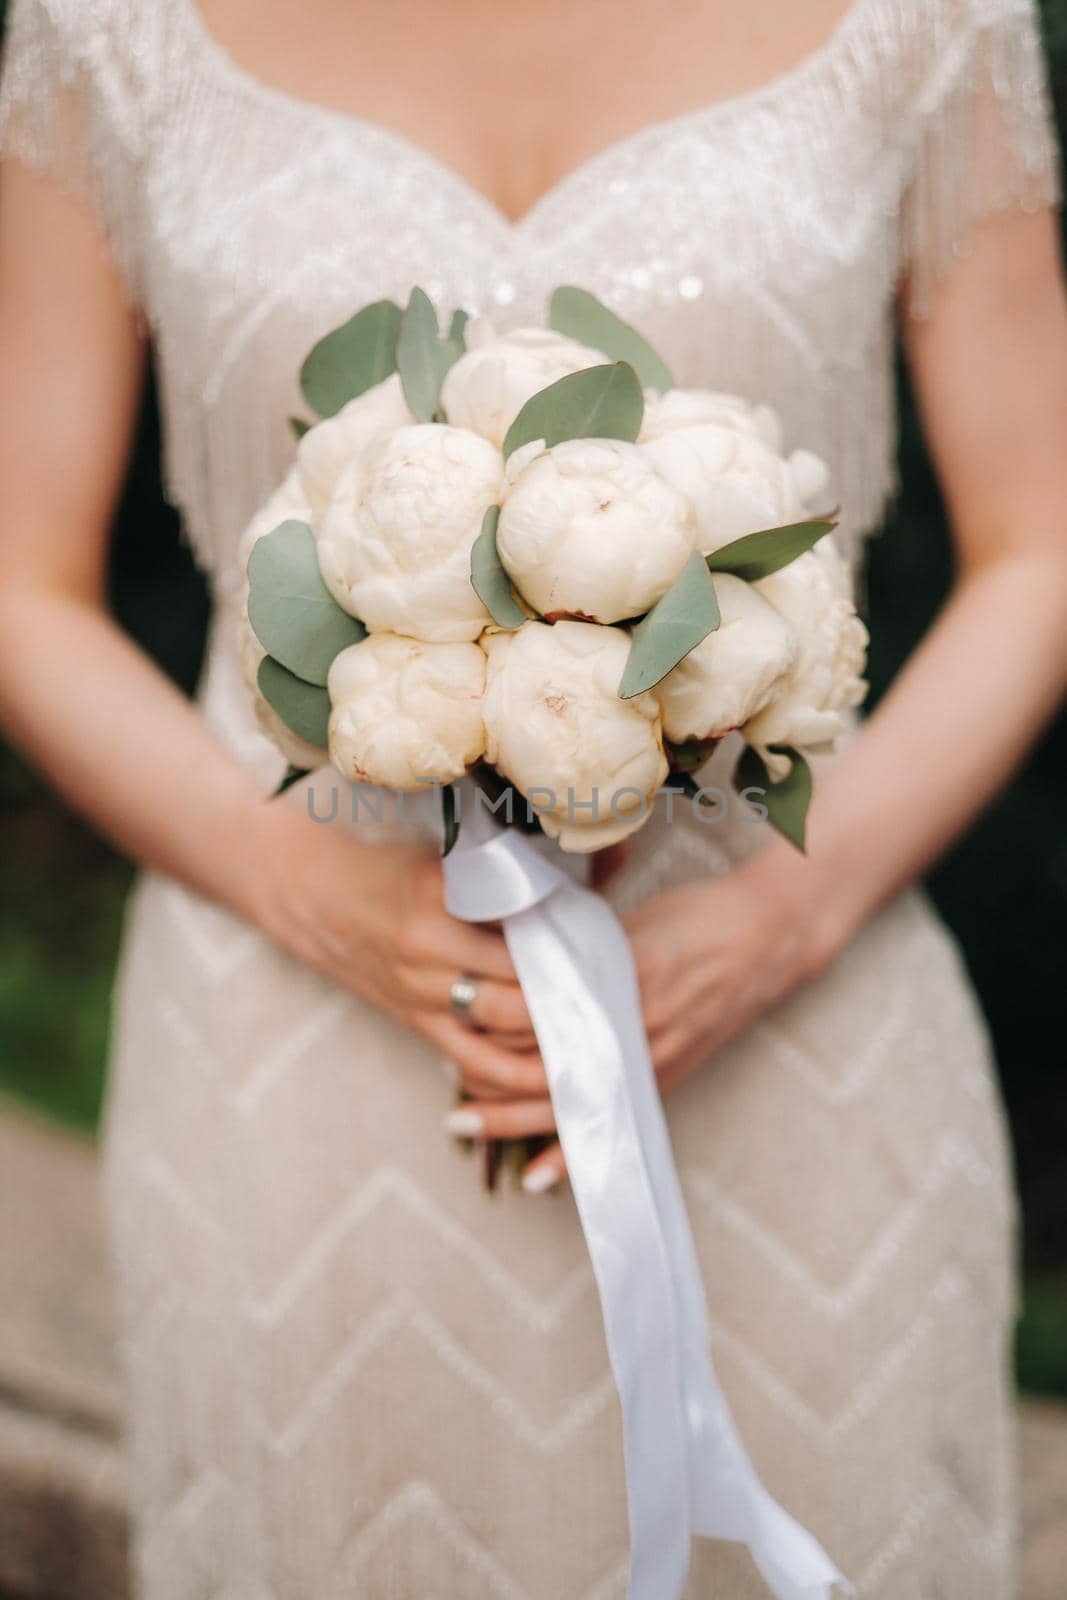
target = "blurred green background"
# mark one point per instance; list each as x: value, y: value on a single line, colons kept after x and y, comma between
x: 1003, y: 891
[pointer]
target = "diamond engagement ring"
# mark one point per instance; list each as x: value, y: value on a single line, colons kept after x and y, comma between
x: 462, y: 996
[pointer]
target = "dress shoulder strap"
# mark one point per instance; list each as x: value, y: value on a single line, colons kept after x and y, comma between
x: 985, y: 139
x: 76, y: 95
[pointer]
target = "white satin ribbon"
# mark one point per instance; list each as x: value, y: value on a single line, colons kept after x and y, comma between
x: 686, y: 1469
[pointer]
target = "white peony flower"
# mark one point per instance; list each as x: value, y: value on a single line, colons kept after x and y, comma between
x: 489, y: 385
x: 480, y: 330
x: 287, y: 501
x: 814, y: 593
x: 555, y: 726
x: 811, y: 478
x: 590, y: 528
x: 404, y: 710
x: 295, y: 750
x: 688, y: 408
x: 733, y: 672
x: 735, y: 483
x: 395, y: 542
x: 328, y: 447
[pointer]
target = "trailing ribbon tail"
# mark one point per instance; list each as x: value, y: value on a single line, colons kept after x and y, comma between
x: 686, y: 1469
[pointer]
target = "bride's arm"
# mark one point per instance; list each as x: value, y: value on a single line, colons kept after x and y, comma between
x: 121, y: 742
x: 111, y: 732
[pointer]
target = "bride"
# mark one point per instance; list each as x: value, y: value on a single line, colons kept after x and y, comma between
x: 353, y: 1372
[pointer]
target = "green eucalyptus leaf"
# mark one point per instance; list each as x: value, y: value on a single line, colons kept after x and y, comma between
x: 303, y: 707
x: 491, y: 583
x: 457, y: 328
x: 423, y: 357
x: 603, y: 402
x: 449, y: 817
x: 299, y: 426
x: 677, y: 623
x: 580, y: 315
x: 352, y: 358
x: 292, y: 775
x: 293, y: 615
x: 787, y: 800
x: 757, y: 555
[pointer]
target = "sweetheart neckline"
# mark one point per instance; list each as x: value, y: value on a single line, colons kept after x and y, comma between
x: 239, y: 79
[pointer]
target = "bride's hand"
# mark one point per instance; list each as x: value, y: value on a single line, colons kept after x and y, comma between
x: 710, y: 957
x: 373, y: 918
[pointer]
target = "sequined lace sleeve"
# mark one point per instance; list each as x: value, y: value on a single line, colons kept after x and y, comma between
x: 987, y: 140
x: 69, y: 106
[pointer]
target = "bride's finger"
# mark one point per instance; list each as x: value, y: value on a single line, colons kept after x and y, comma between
x: 441, y: 942
x: 477, y: 1086
x: 501, y: 1119
x: 519, y: 1073
x: 545, y: 1171
x: 523, y: 1044
x: 660, y: 1020
x: 498, y: 1008
x: 472, y: 1087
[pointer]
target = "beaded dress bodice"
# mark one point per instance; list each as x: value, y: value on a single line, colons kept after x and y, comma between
x: 759, y: 242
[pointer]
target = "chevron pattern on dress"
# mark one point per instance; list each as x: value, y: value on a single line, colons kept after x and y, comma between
x: 388, y: 1383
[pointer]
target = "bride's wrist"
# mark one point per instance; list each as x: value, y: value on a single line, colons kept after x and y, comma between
x: 277, y: 842
x: 313, y: 888
x: 807, y: 900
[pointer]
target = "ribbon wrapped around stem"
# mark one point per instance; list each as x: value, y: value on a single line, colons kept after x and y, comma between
x: 686, y: 1468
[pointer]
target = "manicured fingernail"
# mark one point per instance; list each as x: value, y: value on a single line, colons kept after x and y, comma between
x: 535, y: 1180
x: 467, y: 1123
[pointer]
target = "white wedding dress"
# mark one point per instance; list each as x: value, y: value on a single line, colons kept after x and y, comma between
x: 353, y: 1373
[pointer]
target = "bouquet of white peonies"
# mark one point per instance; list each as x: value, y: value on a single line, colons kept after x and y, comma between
x: 529, y: 557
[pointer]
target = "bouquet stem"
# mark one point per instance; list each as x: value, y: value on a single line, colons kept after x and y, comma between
x: 500, y: 1154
